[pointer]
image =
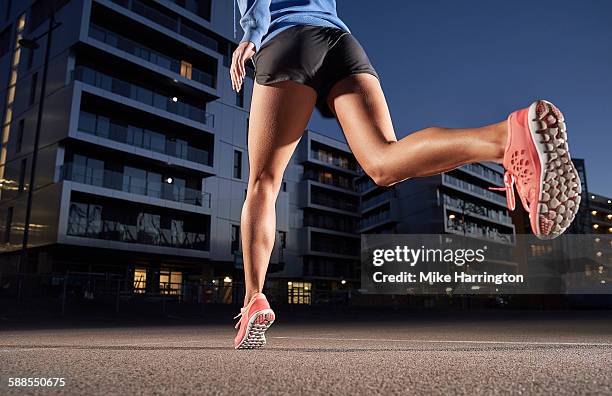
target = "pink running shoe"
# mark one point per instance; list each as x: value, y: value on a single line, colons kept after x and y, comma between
x: 538, y: 161
x: 255, y: 319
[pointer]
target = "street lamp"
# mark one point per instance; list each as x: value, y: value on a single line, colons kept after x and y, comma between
x: 32, y: 44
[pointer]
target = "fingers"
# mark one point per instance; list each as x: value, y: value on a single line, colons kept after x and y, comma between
x: 241, y: 69
x: 238, y: 68
x: 234, y: 72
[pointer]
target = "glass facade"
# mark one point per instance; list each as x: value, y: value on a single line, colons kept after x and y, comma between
x: 141, y: 94
x: 137, y: 224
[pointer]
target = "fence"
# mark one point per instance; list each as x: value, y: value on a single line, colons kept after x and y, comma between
x: 74, y: 293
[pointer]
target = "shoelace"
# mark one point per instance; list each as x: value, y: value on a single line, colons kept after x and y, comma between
x: 509, y: 180
x: 242, y: 311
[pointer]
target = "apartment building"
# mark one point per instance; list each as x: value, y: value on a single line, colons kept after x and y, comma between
x: 142, y: 162
x: 322, y: 246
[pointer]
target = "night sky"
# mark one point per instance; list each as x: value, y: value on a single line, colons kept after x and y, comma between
x: 467, y: 63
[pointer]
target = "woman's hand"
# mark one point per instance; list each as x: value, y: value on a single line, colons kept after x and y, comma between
x: 243, y: 53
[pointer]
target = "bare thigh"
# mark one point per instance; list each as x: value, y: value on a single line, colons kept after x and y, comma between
x: 279, y: 115
x: 361, y: 108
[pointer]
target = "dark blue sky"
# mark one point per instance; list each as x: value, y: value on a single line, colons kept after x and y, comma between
x: 466, y: 63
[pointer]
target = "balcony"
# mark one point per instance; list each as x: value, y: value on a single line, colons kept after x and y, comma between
x: 485, y: 173
x: 329, y: 202
x: 377, y: 199
x: 380, y: 217
x: 334, y: 245
x: 141, y: 137
x: 142, y: 95
x: 471, y: 208
x: 348, y: 225
x: 474, y: 230
x: 169, y: 22
x: 136, y: 185
x: 130, y: 233
x: 329, y: 158
x: 329, y: 179
x: 472, y: 189
x: 365, y: 184
x: 151, y: 56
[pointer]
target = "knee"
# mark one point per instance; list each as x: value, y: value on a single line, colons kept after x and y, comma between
x: 380, y: 174
x: 264, y: 186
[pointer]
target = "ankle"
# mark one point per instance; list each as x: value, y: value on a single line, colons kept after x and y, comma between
x: 249, y: 295
x: 499, y: 140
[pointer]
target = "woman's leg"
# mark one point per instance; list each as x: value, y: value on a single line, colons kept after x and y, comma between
x: 361, y: 109
x: 279, y: 115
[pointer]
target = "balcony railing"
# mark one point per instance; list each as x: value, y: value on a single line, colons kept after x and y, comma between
x: 333, y: 160
x: 334, y: 203
x: 473, y: 208
x: 472, y: 229
x: 137, y: 185
x: 334, y: 248
x: 364, y: 185
x: 169, y: 22
x: 489, y: 174
x: 375, y: 219
x: 142, y: 138
x: 142, y: 95
x: 336, y: 181
x: 453, y: 181
x: 148, y: 54
x: 368, y: 203
x: 330, y: 224
x: 123, y: 232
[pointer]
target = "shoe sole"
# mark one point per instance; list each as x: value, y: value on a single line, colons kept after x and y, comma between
x: 254, y: 337
x: 560, y: 188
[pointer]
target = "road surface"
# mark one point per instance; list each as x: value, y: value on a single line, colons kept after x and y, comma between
x: 514, y: 354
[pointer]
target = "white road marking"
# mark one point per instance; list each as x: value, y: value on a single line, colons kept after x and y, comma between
x: 552, y: 343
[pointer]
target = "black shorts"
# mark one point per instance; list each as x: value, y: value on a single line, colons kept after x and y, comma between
x: 314, y: 56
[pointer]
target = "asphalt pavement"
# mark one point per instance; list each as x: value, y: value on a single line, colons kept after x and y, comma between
x: 450, y: 354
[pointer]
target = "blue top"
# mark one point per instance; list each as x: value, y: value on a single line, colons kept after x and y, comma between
x: 263, y: 19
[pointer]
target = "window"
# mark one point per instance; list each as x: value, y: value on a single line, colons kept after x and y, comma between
x: 30, y: 55
x: 33, y: 85
x: 282, y: 236
x: 19, y: 139
x: 240, y: 97
x: 86, y: 170
x: 204, y: 9
x: 85, y: 219
x: 22, y: 171
x: 299, y: 292
x: 39, y: 11
x: 186, y: 69
x: 235, y: 238
x: 5, y: 41
x: 170, y: 282
x: 237, y: 164
x: 140, y: 280
x: 8, y: 225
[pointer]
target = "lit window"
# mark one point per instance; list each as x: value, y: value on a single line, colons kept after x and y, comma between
x: 594, y: 213
x: 170, y: 282
x: 140, y: 280
x: 186, y: 69
x: 596, y: 226
x: 299, y: 292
